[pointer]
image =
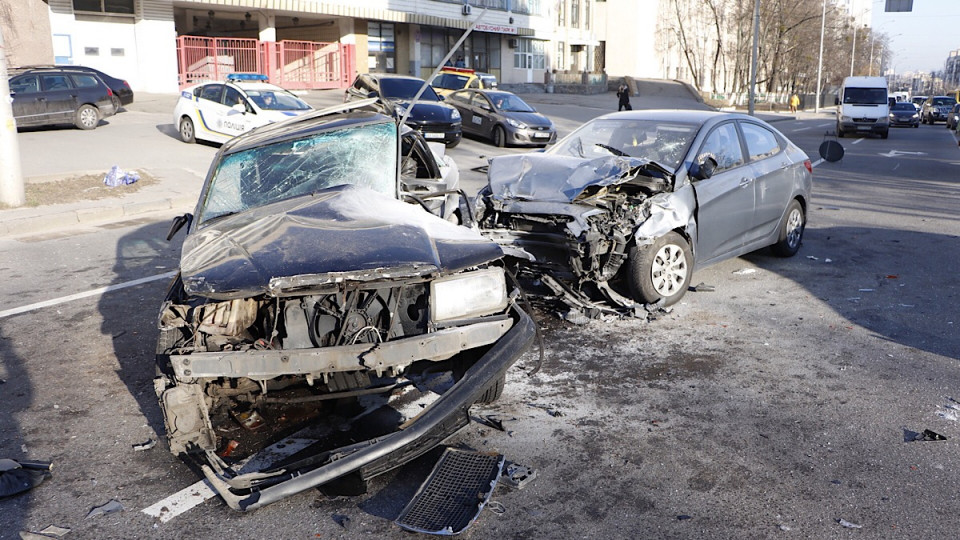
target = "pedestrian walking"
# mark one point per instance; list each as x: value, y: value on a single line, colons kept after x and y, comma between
x: 794, y: 102
x: 624, y: 94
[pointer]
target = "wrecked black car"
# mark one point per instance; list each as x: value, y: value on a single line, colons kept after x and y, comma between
x: 313, y: 303
x: 618, y: 214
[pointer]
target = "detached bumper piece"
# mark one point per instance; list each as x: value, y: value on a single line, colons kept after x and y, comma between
x: 454, y: 494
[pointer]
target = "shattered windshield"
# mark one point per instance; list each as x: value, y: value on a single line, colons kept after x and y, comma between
x: 660, y: 141
x: 363, y: 156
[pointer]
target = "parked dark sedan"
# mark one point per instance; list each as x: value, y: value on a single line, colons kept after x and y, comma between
x: 122, y: 93
x: 502, y: 117
x: 624, y: 208
x: 44, y: 97
x: 904, y: 114
x: 310, y: 299
x: 436, y: 120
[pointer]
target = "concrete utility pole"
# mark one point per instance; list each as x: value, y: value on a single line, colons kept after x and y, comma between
x: 823, y: 20
x: 753, y: 59
x: 11, y: 181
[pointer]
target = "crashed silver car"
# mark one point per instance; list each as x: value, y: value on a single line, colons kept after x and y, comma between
x: 313, y: 303
x: 619, y: 213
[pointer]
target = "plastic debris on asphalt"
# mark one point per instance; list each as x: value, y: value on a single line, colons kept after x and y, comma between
x: 108, y: 508
x: 144, y: 446
x: 19, y: 476
x: 927, y: 435
x: 703, y: 287
x: 51, y: 531
x: 116, y: 177
x: 848, y: 524
x: 745, y: 271
x: 517, y: 476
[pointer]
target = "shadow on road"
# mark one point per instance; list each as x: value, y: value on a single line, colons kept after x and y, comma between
x: 901, y: 285
x: 16, y: 396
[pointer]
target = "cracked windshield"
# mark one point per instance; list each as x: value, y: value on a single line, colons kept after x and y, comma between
x: 664, y: 143
x: 288, y: 169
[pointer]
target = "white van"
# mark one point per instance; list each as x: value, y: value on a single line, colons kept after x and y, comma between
x: 863, y: 106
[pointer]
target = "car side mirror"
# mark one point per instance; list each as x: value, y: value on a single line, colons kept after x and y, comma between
x: 705, y: 168
x: 836, y: 101
x: 373, y: 94
x: 442, y: 97
x: 178, y: 223
x: 240, y: 108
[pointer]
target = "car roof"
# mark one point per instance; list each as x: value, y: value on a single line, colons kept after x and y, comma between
x: 690, y: 116
x: 393, y: 76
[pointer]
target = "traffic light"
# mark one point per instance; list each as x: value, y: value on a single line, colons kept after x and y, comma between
x: 899, y: 5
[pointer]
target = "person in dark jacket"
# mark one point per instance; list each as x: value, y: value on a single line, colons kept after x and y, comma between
x: 624, y: 94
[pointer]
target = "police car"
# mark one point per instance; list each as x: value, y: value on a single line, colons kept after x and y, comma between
x: 219, y: 111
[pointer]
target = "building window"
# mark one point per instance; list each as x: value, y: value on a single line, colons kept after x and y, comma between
x: 527, y: 7
x: 561, y: 56
x: 91, y: 51
x: 381, y: 48
x: 116, y: 52
x: 586, y: 14
x: 561, y: 13
x: 575, y: 13
x: 530, y: 54
x: 105, y: 6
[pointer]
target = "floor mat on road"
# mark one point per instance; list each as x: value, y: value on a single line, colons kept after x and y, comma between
x: 452, y: 497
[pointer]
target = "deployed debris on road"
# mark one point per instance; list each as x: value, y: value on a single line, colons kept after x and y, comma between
x: 107, y: 508
x: 117, y: 177
x: 17, y: 476
x: 454, y: 494
x: 150, y: 443
x: 927, y: 435
x: 518, y: 476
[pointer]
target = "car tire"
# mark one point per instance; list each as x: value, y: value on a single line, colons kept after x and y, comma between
x: 661, y: 270
x: 87, y: 117
x: 116, y: 103
x: 499, y: 136
x: 791, y: 231
x: 884, y: 134
x: 187, y: 131
x: 839, y: 132
x: 453, y: 144
x: 494, y: 391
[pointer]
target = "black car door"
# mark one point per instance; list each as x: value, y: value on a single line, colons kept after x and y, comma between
x: 61, y: 96
x: 29, y: 104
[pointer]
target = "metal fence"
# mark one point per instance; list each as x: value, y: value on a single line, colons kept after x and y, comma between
x: 296, y: 65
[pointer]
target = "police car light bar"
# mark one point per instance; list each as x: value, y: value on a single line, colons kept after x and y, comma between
x: 247, y: 77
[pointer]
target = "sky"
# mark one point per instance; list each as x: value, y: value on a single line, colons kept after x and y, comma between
x: 921, y: 40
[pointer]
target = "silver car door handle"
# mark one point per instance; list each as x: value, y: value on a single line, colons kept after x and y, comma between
x: 744, y: 182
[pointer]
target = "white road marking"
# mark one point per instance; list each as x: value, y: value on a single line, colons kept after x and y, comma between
x: 856, y: 141
x: 803, y: 128
x: 87, y: 294
x: 824, y: 125
x: 817, y: 162
x: 191, y: 496
x: 895, y: 153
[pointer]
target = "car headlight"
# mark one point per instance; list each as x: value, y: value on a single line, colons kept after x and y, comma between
x: 892, y: 116
x: 514, y: 123
x: 455, y: 115
x: 915, y: 115
x: 472, y: 294
x: 845, y: 119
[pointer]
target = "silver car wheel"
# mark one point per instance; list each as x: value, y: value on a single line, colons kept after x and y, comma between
x: 794, y: 227
x: 669, y: 270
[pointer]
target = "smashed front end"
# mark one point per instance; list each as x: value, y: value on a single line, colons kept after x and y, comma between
x: 332, y: 320
x: 569, y: 222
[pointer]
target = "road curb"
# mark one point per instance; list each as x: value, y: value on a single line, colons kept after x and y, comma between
x: 56, y: 221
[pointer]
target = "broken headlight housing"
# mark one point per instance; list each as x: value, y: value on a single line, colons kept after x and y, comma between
x: 472, y: 294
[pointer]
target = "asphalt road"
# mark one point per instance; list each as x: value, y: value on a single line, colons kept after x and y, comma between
x: 776, y: 406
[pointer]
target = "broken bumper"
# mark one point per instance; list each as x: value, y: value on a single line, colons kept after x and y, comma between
x: 437, y: 422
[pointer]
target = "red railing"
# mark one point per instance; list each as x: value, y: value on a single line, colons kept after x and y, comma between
x: 295, y: 65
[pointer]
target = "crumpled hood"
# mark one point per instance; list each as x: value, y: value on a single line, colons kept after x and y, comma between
x: 343, y: 229
x: 545, y: 177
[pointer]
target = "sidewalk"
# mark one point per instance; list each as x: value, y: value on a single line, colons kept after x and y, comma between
x: 178, y: 188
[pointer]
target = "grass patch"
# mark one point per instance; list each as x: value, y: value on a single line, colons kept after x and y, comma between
x: 88, y: 187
